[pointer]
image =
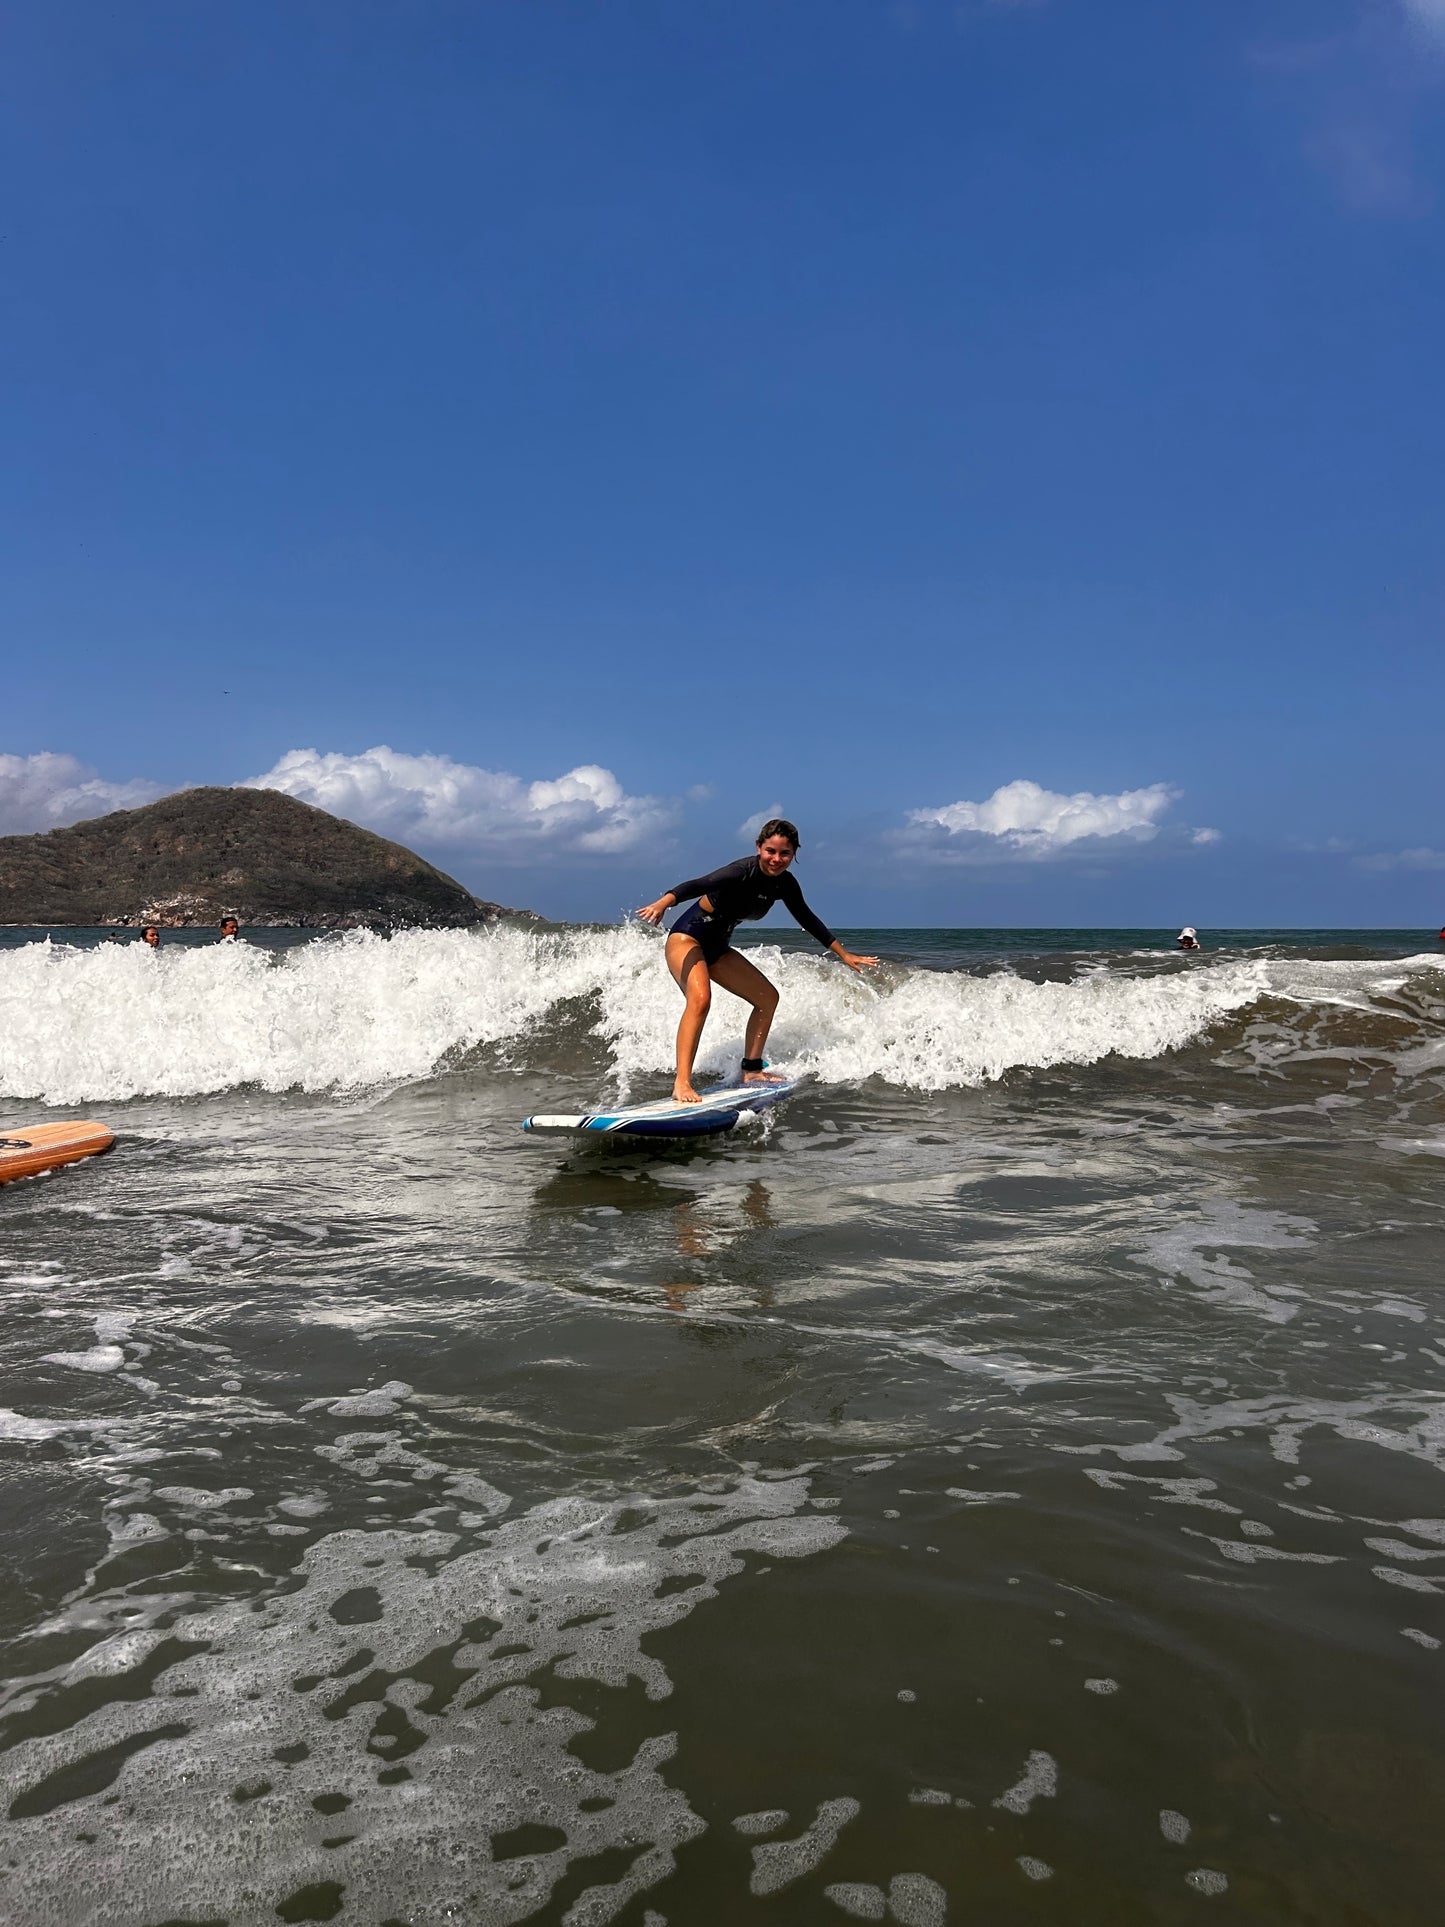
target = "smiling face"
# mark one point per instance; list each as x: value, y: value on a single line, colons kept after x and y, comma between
x: 775, y: 853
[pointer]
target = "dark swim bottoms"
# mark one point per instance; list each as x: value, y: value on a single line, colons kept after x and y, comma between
x: 708, y: 931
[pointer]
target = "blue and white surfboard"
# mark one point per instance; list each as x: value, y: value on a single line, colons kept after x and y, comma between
x: 718, y: 1110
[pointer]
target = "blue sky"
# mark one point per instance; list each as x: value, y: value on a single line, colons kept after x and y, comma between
x: 858, y: 407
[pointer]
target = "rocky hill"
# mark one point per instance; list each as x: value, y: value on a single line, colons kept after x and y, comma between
x: 206, y: 853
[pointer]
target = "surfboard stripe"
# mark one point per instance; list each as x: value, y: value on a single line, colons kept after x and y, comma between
x: 719, y: 1110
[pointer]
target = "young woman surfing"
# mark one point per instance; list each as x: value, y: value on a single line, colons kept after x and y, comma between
x: 699, y: 945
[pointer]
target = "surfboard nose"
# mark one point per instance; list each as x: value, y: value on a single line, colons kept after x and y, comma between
x: 29, y: 1149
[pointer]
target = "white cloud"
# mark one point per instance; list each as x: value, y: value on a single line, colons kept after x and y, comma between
x: 750, y: 825
x: 1421, y: 858
x: 45, y: 791
x: 430, y: 799
x: 1022, y: 819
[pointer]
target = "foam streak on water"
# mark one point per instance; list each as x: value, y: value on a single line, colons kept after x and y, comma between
x: 317, y: 1693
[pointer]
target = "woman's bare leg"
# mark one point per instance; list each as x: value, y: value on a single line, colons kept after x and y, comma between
x: 733, y: 971
x: 689, y: 967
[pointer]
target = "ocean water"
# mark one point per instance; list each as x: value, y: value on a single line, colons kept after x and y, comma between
x: 1003, y: 1485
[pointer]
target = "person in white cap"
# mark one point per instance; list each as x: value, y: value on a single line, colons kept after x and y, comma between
x: 1189, y: 938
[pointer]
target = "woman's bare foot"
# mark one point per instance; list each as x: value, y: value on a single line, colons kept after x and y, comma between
x: 763, y: 1077
x: 683, y: 1093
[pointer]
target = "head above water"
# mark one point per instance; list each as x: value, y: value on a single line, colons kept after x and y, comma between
x: 151, y: 935
x: 230, y: 927
x: 777, y: 845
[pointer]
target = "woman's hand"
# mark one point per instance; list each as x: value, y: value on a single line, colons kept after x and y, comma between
x: 858, y: 963
x: 654, y: 912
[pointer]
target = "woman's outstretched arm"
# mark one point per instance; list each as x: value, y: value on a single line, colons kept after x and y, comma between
x: 655, y: 912
x: 851, y: 958
x: 807, y: 920
x: 693, y: 887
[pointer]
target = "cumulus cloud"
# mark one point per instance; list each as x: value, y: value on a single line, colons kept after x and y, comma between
x: 45, y: 791
x: 1024, y: 820
x: 431, y: 799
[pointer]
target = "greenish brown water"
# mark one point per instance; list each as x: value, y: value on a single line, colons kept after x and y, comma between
x: 1014, y: 1497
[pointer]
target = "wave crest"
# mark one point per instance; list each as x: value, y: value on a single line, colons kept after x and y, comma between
x: 362, y: 1011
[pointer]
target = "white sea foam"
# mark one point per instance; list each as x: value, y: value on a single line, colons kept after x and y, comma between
x: 22, y: 1429
x: 196, y: 1498
x: 100, y: 1358
x: 296, y: 1704
x: 857, y: 1899
x: 1040, y: 1781
x: 18, y: 1426
x: 1207, y: 1880
x: 1418, y: 1428
x: 1180, y: 1252
x: 916, y: 1901
x: 781, y: 1862
x: 381, y: 1403
x: 768, y: 1821
x: 118, y: 1022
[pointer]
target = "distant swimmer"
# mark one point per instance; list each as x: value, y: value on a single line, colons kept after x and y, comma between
x: 230, y: 930
x: 1188, y: 938
x: 151, y: 936
x: 699, y: 945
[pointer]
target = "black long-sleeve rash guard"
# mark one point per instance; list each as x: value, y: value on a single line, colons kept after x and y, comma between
x: 743, y: 892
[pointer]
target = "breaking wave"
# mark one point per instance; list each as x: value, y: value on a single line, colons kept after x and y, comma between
x: 363, y: 1011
